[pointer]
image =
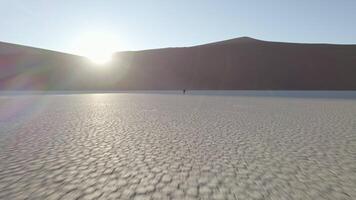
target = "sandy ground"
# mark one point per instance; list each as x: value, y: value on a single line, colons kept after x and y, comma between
x: 147, y: 146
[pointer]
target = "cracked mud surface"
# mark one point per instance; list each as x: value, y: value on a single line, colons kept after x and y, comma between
x: 147, y: 146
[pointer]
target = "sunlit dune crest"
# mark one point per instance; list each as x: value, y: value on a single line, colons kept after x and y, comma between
x: 100, y: 59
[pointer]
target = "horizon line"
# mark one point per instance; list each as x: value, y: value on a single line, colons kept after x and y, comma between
x: 172, y: 47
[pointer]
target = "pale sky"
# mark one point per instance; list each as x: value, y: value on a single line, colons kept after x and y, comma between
x: 63, y: 25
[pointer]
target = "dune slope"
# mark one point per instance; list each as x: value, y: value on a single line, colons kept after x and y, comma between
x: 241, y: 63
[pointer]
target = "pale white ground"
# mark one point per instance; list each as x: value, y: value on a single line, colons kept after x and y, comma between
x: 173, y: 146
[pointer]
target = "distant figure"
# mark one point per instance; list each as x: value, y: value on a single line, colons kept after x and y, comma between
x: 184, y: 91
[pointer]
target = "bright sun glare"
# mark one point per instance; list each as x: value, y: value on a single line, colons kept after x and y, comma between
x: 97, y: 46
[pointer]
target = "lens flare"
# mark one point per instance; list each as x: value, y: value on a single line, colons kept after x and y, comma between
x: 98, y: 46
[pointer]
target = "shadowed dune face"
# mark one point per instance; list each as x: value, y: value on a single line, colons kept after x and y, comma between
x: 242, y: 63
x: 36, y: 69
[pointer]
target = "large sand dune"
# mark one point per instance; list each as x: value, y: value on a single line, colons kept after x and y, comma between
x: 142, y: 146
x: 242, y: 63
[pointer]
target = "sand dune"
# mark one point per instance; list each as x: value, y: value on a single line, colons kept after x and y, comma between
x: 242, y: 63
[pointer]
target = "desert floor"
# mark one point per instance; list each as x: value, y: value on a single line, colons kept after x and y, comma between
x: 174, y: 146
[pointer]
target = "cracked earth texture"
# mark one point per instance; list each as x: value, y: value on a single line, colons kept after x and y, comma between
x: 154, y: 146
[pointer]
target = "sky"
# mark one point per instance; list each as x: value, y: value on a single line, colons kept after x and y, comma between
x: 63, y: 25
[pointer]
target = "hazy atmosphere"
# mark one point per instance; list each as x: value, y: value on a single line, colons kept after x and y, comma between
x: 71, y: 26
x: 171, y: 100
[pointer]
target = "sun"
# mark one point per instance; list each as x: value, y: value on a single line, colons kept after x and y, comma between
x: 97, y: 46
